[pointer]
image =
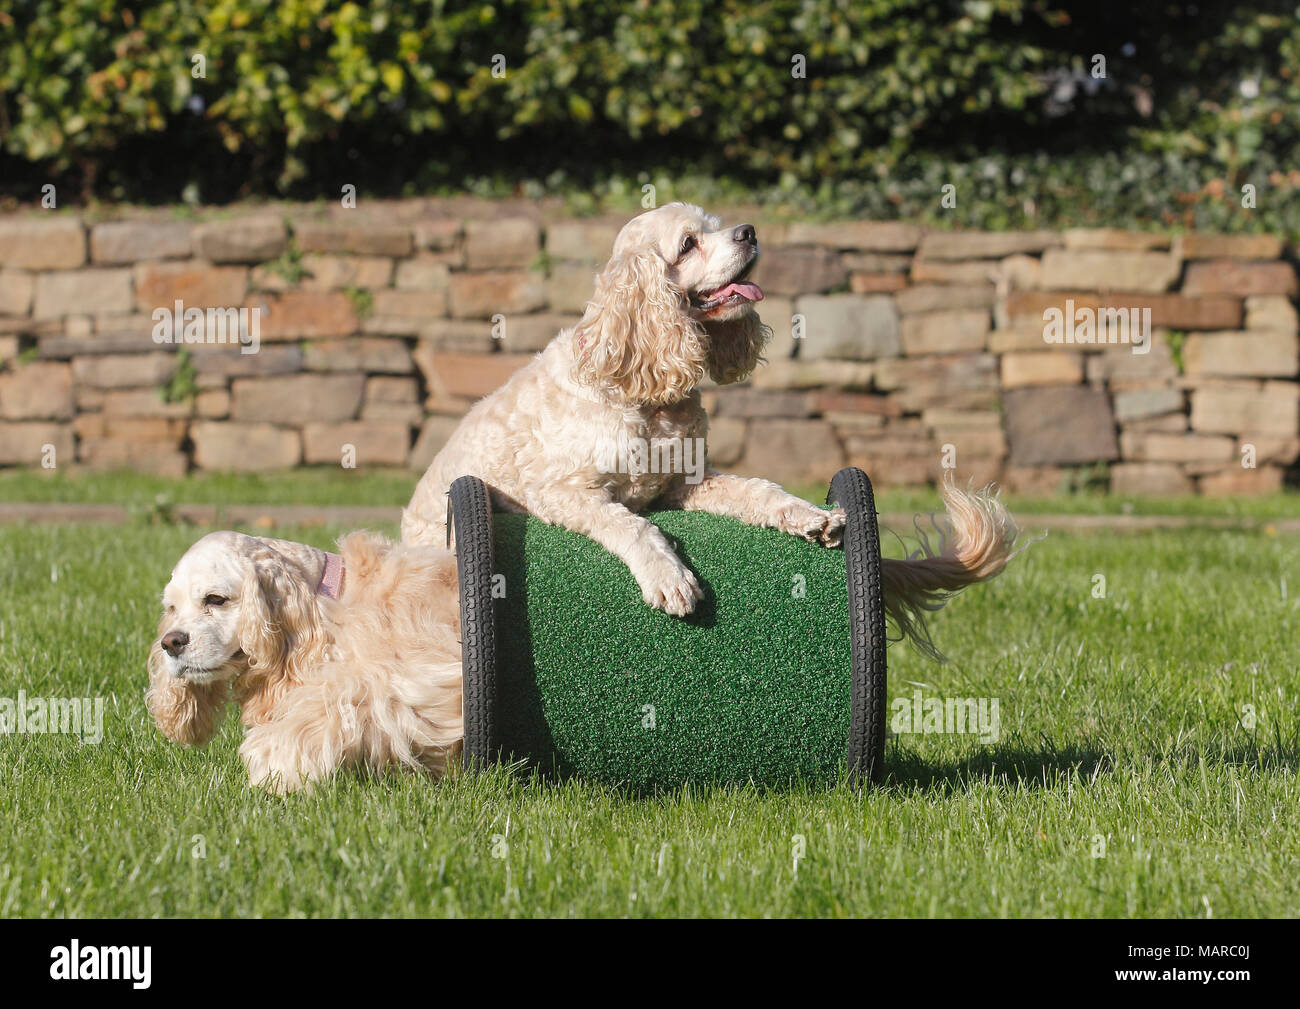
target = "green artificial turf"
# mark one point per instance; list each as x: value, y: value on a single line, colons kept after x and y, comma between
x: 752, y: 686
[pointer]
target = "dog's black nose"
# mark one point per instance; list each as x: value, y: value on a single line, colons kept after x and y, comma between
x: 174, y: 642
x: 745, y: 233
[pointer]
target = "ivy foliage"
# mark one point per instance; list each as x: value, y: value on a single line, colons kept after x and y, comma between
x: 839, y: 102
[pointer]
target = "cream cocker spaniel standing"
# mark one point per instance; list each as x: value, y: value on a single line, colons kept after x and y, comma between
x: 672, y: 306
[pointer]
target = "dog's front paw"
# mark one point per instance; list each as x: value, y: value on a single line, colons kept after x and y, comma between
x: 833, y: 531
x: 812, y: 523
x: 268, y: 768
x: 669, y: 585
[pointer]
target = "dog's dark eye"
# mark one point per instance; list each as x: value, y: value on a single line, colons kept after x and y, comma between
x: 214, y: 601
x: 688, y: 243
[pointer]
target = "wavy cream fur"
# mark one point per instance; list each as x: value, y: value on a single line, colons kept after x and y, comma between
x: 977, y: 537
x: 371, y: 679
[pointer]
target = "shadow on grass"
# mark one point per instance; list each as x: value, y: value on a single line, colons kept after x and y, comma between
x: 909, y: 774
x: 1052, y: 765
x: 1046, y: 768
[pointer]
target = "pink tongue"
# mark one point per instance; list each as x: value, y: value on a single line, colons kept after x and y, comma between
x: 750, y: 292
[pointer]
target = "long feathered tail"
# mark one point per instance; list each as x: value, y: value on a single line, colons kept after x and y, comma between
x: 976, y: 539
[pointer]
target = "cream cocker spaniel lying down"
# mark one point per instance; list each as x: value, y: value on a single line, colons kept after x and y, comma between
x: 334, y: 660
x: 672, y: 306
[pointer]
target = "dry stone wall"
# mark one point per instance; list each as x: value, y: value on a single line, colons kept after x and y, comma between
x: 1155, y: 363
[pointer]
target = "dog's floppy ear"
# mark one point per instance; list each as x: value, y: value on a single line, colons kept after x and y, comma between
x: 187, y: 713
x: 309, y: 559
x: 280, y: 629
x: 635, y: 338
x: 736, y: 347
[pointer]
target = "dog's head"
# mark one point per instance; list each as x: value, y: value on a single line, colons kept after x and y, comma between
x: 674, y: 303
x: 238, y: 610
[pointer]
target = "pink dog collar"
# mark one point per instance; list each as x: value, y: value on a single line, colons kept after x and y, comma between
x: 331, y: 579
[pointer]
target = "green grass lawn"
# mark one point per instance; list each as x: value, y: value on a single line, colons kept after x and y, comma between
x: 316, y: 485
x: 332, y: 485
x: 1122, y: 784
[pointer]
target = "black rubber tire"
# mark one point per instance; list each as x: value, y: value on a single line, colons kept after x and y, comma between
x: 469, y: 519
x: 851, y: 490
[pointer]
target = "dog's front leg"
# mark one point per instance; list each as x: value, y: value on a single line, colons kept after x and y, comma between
x: 758, y: 502
x: 313, y: 732
x: 666, y: 582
